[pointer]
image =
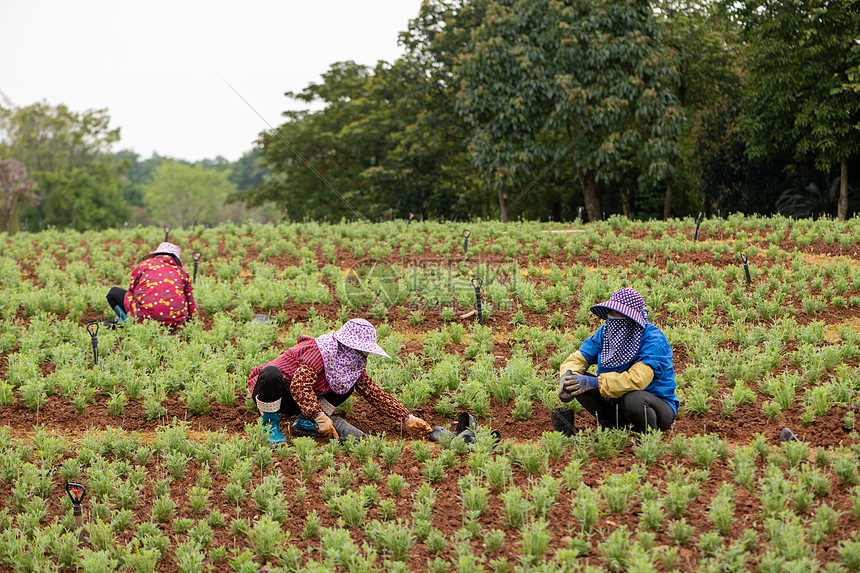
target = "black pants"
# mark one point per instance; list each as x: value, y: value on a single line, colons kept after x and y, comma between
x: 637, y: 409
x: 116, y: 296
x: 270, y: 387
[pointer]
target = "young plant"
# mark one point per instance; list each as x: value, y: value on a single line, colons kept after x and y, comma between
x: 498, y: 473
x: 649, y: 447
x: 516, y: 507
x: 680, y: 531
x: 616, y: 548
x: 396, y: 484
x: 163, y: 508
x: 395, y: 538
x: 585, y: 507
x: 652, y: 514
x: 845, y: 468
x: 721, y: 512
x: 266, y: 538
x: 529, y: 456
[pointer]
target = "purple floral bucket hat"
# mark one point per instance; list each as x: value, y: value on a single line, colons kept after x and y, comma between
x: 166, y: 249
x: 628, y: 302
x: 359, y: 334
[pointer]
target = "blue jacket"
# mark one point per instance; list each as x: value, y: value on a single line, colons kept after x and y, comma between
x: 654, y: 351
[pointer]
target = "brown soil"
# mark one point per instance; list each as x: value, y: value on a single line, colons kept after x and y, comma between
x: 826, y: 432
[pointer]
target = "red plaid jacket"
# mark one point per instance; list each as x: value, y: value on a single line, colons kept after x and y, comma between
x: 304, y: 378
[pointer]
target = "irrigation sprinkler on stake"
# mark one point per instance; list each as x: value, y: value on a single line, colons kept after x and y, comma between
x: 746, y: 268
x: 166, y: 232
x: 196, y: 257
x: 466, y: 234
x: 579, y: 213
x: 477, y: 282
x: 76, y: 493
x: 698, y: 222
x: 94, y: 335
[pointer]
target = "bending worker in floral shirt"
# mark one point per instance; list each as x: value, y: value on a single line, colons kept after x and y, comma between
x: 160, y: 290
x: 635, y: 382
x: 318, y: 374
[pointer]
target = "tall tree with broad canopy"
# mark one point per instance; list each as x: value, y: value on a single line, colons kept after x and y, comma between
x: 427, y: 171
x: 317, y: 158
x: 706, y: 53
x: 802, y: 57
x: 576, y: 87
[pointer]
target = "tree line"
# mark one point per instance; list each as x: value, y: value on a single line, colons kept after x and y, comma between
x: 536, y: 108
x: 57, y: 169
x: 551, y: 109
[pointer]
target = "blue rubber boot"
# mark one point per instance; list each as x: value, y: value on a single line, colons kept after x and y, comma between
x: 272, y: 422
x: 120, y: 313
x: 304, y: 424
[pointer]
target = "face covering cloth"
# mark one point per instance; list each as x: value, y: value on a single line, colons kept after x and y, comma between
x: 343, y: 365
x: 621, y: 341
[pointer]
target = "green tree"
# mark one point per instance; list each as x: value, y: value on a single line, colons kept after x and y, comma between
x: 428, y: 171
x: 248, y: 172
x: 62, y: 148
x: 576, y: 87
x: 802, y: 56
x: 180, y: 194
x: 705, y: 51
x: 83, y: 198
x: 317, y: 158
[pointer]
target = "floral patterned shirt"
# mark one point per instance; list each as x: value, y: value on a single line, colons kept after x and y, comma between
x: 160, y: 290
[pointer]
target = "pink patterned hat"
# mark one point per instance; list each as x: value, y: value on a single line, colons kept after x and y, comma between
x: 166, y: 249
x: 359, y: 334
x: 626, y: 301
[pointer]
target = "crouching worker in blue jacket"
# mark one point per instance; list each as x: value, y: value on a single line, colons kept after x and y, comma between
x: 635, y: 382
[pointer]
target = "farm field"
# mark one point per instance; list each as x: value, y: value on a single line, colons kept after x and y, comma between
x: 179, y: 476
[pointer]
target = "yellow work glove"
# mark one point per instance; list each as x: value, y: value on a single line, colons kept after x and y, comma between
x: 325, y: 426
x: 417, y: 426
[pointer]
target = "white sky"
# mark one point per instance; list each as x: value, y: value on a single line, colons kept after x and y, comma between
x: 157, y: 66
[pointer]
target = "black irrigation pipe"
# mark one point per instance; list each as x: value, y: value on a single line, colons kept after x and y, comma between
x: 196, y: 257
x: 698, y: 222
x: 477, y: 282
x: 746, y: 268
x: 94, y: 335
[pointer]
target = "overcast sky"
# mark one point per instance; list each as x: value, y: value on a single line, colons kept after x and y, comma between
x: 159, y: 67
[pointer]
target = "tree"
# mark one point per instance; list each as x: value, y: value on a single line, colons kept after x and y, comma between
x: 317, y: 158
x: 705, y: 51
x: 180, y: 194
x: 800, y: 97
x: 82, y: 198
x: 16, y: 188
x: 428, y: 172
x: 575, y: 88
x: 61, y: 148
x: 248, y: 171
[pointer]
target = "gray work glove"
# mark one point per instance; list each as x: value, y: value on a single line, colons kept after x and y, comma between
x: 568, y: 379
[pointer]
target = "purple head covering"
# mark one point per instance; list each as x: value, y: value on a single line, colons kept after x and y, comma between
x: 622, y: 337
x: 626, y: 301
x: 344, y: 353
x: 359, y: 334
